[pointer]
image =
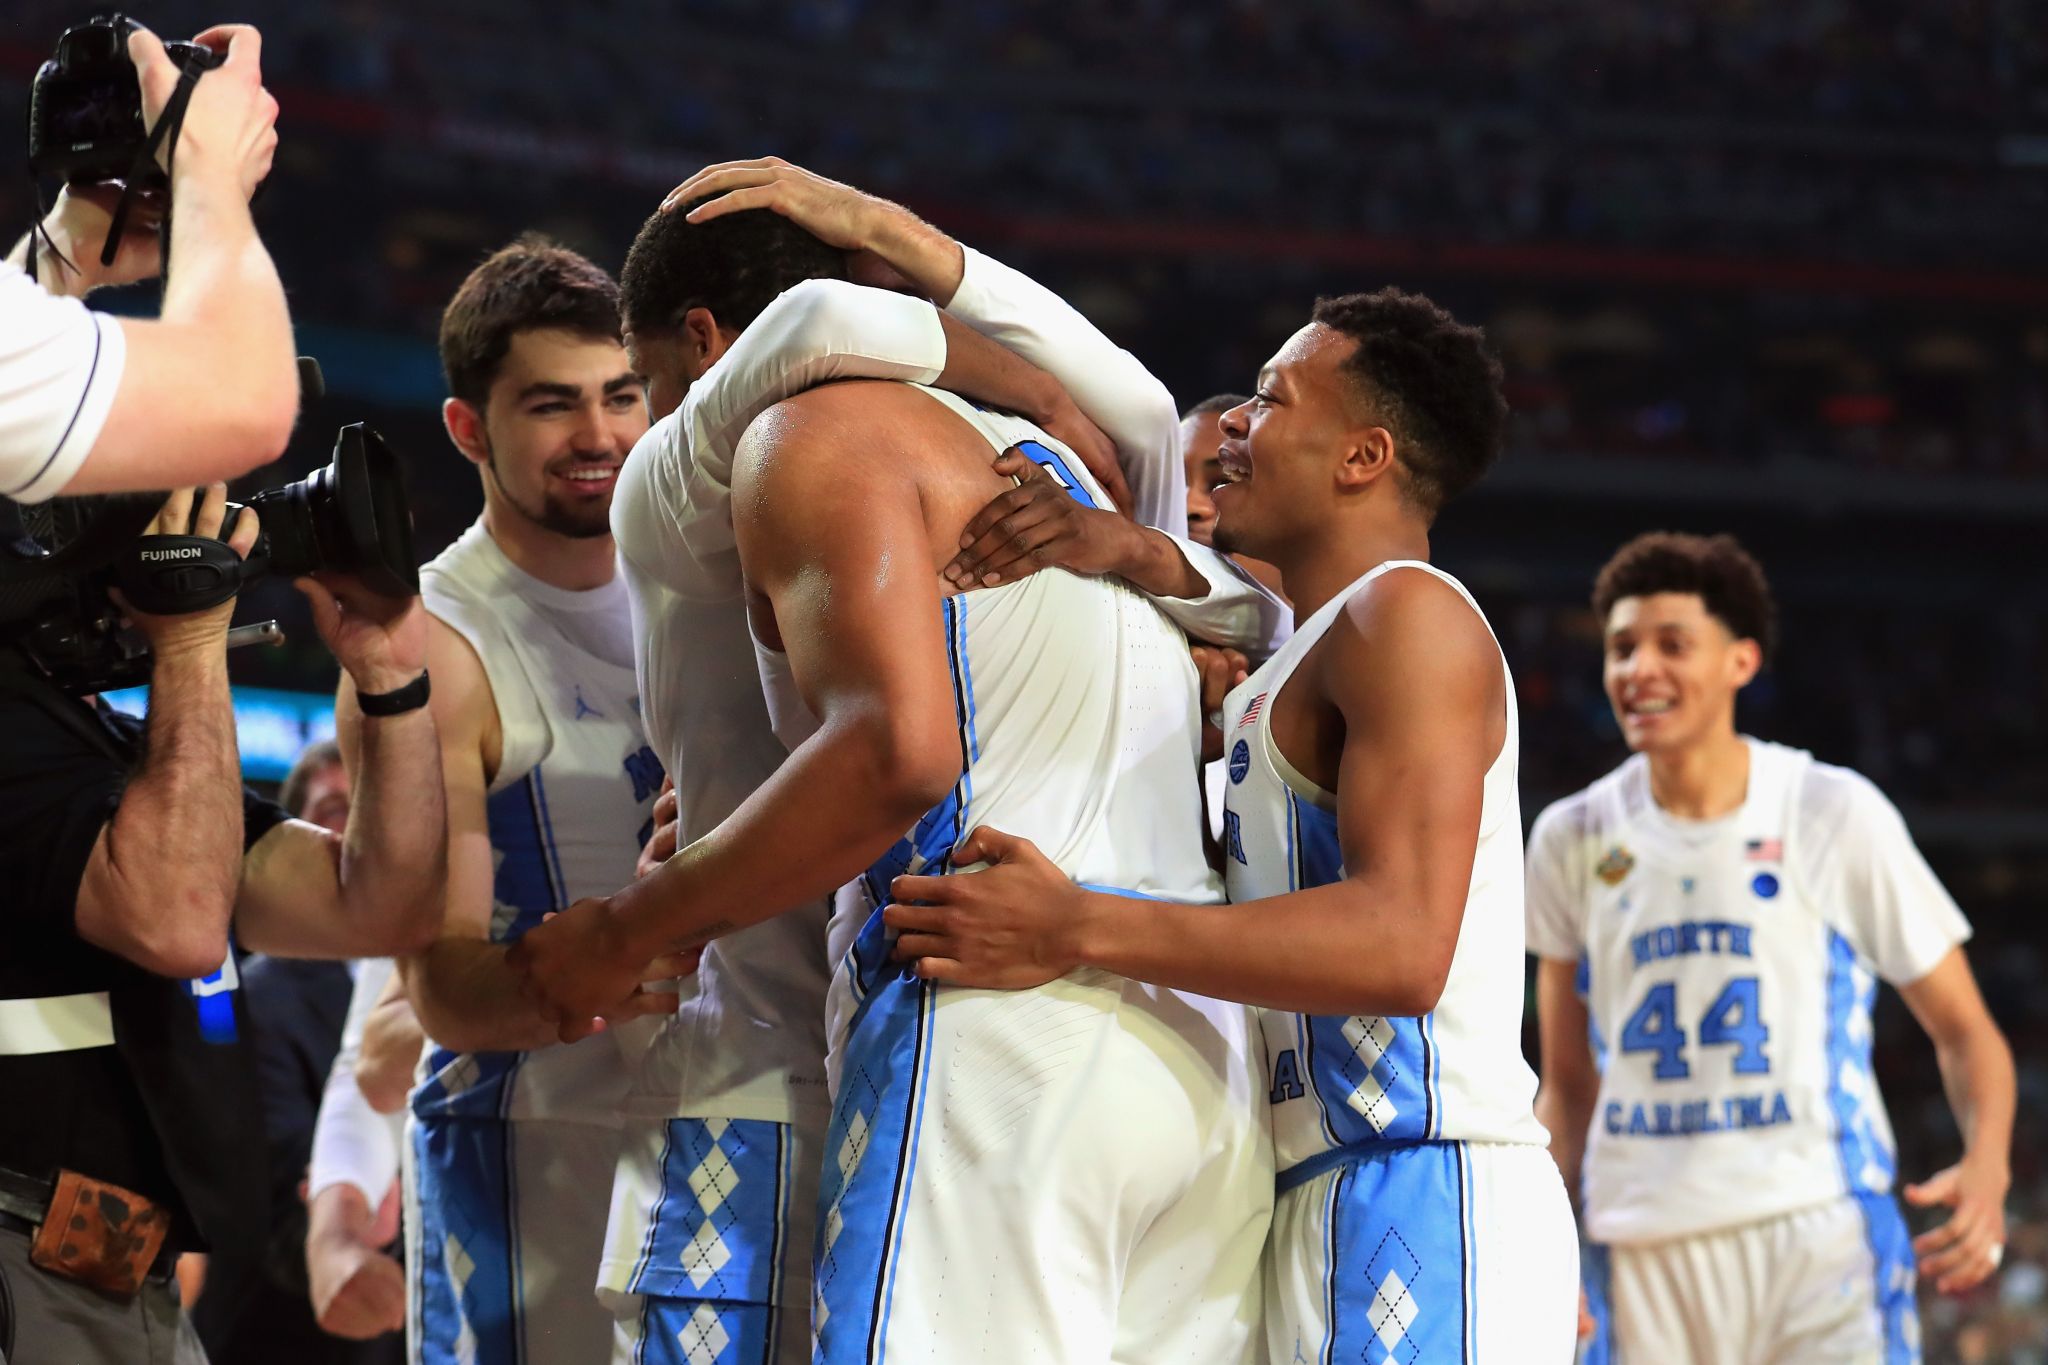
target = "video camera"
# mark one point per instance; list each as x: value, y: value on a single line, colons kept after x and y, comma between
x: 59, y: 559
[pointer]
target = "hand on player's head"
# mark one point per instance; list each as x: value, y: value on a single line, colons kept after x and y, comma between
x: 230, y: 126
x: 837, y: 215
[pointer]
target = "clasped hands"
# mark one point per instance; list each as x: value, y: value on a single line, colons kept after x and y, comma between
x: 582, y: 970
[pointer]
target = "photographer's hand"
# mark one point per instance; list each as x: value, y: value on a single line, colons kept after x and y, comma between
x: 160, y: 886
x: 198, y: 634
x: 230, y: 130
x: 173, y: 420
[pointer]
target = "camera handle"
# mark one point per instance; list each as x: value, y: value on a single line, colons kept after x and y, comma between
x: 172, y: 575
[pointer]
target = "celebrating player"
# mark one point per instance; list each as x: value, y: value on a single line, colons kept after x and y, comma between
x: 1373, y: 853
x: 1712, y: 919
x: 848, y: 501
x: 550, y: 789
x: 740, y: 309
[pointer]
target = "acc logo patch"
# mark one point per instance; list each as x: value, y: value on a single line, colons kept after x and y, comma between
x: 1765, y: 885
x: 1240, y: 761
x: 1615, y: 867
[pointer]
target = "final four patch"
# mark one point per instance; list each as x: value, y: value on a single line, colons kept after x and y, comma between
x: 1615, y: 867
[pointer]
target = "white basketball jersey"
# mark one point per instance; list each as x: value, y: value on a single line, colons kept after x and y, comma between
x: 1358, y: 1083
x: 569, y: 807
x: 1728, y: 969
x: 1079, y: 730
x: 749, y: 1040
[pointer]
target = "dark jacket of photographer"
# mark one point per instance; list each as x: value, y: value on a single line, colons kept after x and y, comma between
x: 108, y: 1069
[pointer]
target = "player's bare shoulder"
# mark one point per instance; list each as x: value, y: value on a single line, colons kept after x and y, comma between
x: 1410, y: 633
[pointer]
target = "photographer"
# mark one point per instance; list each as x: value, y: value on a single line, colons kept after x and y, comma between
x: 131, y: 1128
x: 91, y: 403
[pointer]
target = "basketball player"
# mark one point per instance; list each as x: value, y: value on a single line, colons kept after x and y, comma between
x: 550, y: 783
x: 936, y: 1238
x: 735, y: 1085
x: 1373, y: 853
x: 1712, y: 919
x: 1201, y: 439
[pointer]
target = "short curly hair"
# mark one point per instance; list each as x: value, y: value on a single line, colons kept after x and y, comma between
x: 1432, y: 381
x: 1717, y: 569
x: 531, y: 285
x: 735, y: 266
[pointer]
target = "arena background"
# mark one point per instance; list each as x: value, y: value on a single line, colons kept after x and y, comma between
x: 1773, y: 268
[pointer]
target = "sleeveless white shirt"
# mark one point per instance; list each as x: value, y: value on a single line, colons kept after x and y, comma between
x: 1079, y: 729
x: 569, y: 807
x: 1357, y: 1083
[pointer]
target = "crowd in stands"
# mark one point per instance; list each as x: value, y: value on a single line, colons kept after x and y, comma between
x: 1883, y: 131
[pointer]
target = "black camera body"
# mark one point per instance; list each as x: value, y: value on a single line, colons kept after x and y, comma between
x: 85, y: 107
x: 59, y: 559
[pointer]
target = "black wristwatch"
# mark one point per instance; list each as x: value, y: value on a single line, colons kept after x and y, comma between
x: 398, y: 701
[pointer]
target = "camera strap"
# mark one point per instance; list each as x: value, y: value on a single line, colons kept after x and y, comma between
x: 168, y: 124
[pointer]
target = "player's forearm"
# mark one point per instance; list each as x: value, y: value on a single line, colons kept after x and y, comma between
x: 919, y: 252
x: 161, y: 887
x: 1566, y: 1112
x: 796, y: 839
x: 1977, y: 1074
x: 1306, y: 951
x: 468, y: 999
x: 389, y: 1053
x: 1110, y: 386
x: 1232, y: 608
x: 986, y: 372
x: 394, y: 861
x: 1160, y: 569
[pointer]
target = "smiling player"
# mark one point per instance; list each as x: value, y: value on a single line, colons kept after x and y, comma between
x: 1712, y: 920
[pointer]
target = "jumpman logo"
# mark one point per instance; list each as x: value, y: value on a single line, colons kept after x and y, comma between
x: 1299, y: 1358
x: 584, y: 708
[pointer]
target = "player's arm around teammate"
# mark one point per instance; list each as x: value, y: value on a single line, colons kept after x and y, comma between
x: 857, y: 605
x: 1203, y: 593
x: 465, y: 994
x: 1408, y: 689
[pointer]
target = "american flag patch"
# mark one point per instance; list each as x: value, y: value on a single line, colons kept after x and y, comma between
x: 1251, y: 713
x: 1765, y: 850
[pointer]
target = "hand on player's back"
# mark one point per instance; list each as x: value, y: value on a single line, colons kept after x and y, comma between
x: 1218, y: 669
x: 1037, y: 525
x: 1091, y: 445
x: 661, y: 844
x: 1006, y: 927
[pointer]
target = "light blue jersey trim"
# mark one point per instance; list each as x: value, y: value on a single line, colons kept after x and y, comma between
x: 1868, y: 1166
x: 1301, y: 1172
x: 926, y: 1005
x: 1596, y: 1274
